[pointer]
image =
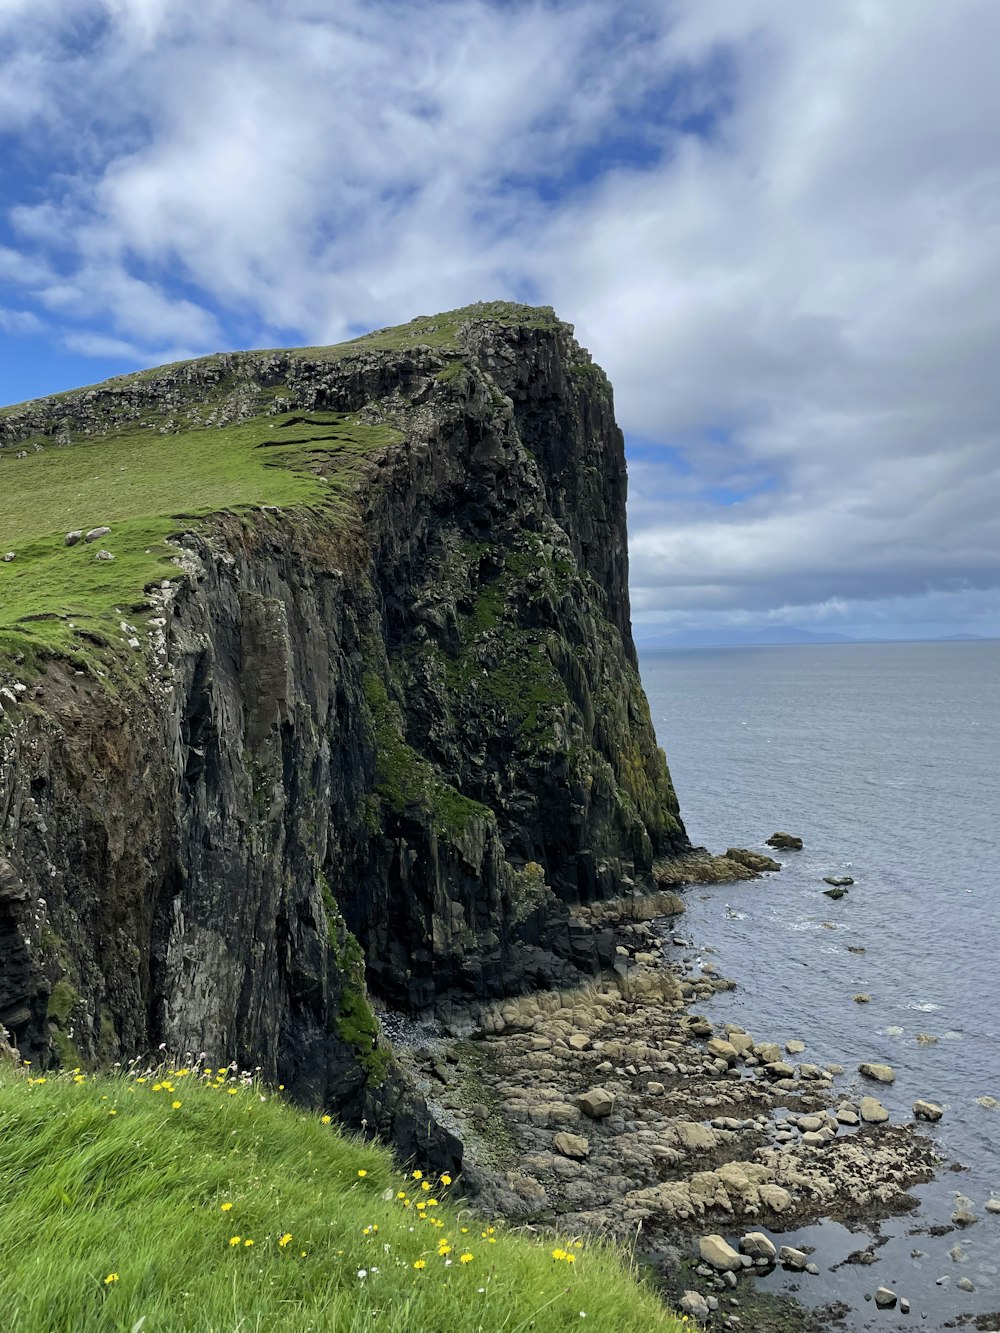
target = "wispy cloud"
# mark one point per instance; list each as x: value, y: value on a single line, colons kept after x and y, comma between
x: 777, y: 226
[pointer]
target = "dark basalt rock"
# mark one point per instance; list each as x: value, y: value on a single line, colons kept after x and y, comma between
x: 383, y: 755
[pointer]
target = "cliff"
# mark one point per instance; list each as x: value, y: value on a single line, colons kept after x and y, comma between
x: 344, y: 704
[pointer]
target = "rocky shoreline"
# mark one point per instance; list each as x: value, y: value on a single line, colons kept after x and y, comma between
x: 616, y: 1109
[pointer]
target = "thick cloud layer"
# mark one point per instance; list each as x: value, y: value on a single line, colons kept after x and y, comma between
x: 776, y: 225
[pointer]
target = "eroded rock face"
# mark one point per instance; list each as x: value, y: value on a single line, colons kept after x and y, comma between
x: 385, y: 750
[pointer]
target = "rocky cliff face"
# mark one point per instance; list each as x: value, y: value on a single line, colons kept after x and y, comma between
x: 377, y: 745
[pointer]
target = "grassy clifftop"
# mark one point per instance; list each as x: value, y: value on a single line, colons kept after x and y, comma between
x: 176, y: 1199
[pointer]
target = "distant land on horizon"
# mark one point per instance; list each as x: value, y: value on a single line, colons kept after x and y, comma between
x: 777, y: 637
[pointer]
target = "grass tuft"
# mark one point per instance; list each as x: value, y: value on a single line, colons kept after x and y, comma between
x: 176, y: 1199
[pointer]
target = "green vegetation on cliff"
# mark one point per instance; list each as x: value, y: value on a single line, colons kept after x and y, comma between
x: 170, y: 1200
x: 146, y: 487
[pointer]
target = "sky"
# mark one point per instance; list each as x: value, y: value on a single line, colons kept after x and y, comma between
x: 776, y: 225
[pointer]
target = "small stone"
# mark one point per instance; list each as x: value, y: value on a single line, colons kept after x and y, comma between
x: 878, y: 1073
x: 73, y: 537
x: 812, y: 1270
x: 693, y: 1303
x: 794, y: 1259
x: 927, y: 1111
x: 873, y: 1112
x: 758, y: 1246
x: 963, y: 1284
x: 957, y: 1255
x: 846, y: 1117
x: 963, y: 1216
x: 104, y: 555
x: 904, y: 1305
x: 992, y: 1205
x: 579, y: 1041
x: 655, y: 1089
x: 862, y: 998
x: 597, y: 1103
x: 11, y: 555
x: 925, y: 1039
x: 885, y: 1298
x: 575, y: 1146
x: 95, y: 533
x: 719, y: 1254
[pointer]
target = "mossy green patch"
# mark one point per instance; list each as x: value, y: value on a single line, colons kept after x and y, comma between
x: 61, y: 1002
x: 405, y: 779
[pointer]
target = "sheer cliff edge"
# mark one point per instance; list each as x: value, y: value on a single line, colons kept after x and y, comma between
x: 317, y: 684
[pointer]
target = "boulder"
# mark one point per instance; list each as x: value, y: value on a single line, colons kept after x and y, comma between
x: 835, y: 894
x: 11, y: 555
x: 597, y: 1103
x: 838, y: 881
x: 694, y: 1304
x: 862, y: 998
x: 879, y: 1073
x: 722, y: 1050
x: 719, y: 1254
x: 576, y: 1146
x: 785, y: 842
x: 758, y: 1246
x: 794, y: 1259
x: 927, y: 1111
x: 795, y: 1047
x: 579, y: 1041
x: 96, y: 533
x: 873, y: 1112
x: 73, y: 537
x: 992, y: 1205
x: 885, y: 1299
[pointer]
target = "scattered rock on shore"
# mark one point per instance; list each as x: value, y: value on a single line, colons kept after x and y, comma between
x: 597, y: 1103
x: 879, y: 1073
x: 927, y: 1111
x: 872, y: 1111
x: 718, y: 1253
x: 785, y: 842
x: 885, y: 1298
x: 693, y: 1303
x: 758, y: 1246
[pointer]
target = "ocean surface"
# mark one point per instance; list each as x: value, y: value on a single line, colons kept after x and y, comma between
x: 885, y: 760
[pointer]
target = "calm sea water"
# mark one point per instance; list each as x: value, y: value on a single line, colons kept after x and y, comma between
x: 885, y: 759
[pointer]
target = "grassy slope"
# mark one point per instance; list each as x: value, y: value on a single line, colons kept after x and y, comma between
x: 106, y: 1175
x: 146, y: 487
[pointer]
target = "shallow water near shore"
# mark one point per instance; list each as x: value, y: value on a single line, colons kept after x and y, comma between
x: 884, y: 759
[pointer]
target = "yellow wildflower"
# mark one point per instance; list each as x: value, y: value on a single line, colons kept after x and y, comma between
x: 233, y: 1092
x: 111, y: 1278
x: 465, y: 1258
x: 444, y: 1247
x: 400, y: 1194
x: 176, y: 1105
x: 558, y: 1254
x: 571, y: 1258
x: 226, y: 1207
x: 285, y: 1239
x: 425, y: 1184
x: 248, y: 1243
x: 418, y: 1175
x: 325, y: 1119
x: 419, y: 1263
x: 362, y: 1173
x: 235, y: 1240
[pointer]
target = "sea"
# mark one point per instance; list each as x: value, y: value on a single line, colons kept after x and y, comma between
x: 885, y: 760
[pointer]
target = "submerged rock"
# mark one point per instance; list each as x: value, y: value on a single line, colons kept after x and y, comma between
x: 785, y: 842
x: 927, y: 1111
x: 878, y: 1073
x: 838, y: 881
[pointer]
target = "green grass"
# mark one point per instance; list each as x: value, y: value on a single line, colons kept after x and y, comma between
x: 103, y: 1175
x: 147, y: 487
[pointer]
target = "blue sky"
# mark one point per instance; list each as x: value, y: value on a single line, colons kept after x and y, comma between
x: 777, y: 226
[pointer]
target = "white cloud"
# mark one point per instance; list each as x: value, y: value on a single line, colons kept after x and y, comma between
x: 799, y: 300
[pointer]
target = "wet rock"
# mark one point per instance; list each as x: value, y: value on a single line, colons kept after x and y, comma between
x: 597, y: 1103
x: 904, y: 1305
x: 792, y: 1258
x: 812, y: 1269
x: 719, y: 1254
x: 964, y: 1284
x: 838, y: 881
x: 95, y: 534
x: 755, y: 861
x: 885, y: 1298
x: 988, y: 1103
x: 722, y: 1050
x: 575, y: 1146
x: 758, y: 1246
x: 963, y: 1216
x: 925, y: 1039
x: 862, y: 998
x: 785, y: 842
x: 835, y: 894
x: 927, y: 1111
x: 795, y: 1047
x: 878, y: 1073
x: 992, y: 1205
x: 845, y: 1116
x: 872, y: 1111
